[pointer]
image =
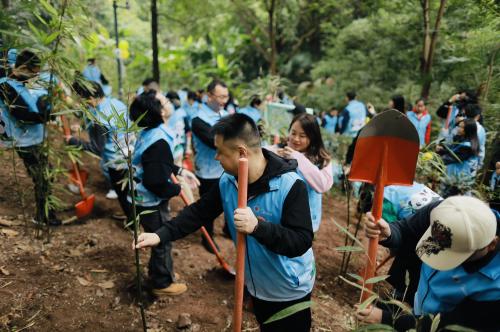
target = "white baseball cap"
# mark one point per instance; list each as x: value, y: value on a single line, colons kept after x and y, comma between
x: 459, y: 226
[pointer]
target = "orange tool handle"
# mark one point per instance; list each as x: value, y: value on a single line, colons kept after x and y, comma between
x: 240, y: 247
x: 67, y: 133
x: 207, y: 236
x: 378, y: 200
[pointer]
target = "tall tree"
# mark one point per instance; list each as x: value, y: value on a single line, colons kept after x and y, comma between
x: 429, y: 43
x: 154, y: 40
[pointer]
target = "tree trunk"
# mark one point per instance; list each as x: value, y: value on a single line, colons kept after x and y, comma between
x: 154, y: 40
x: 429, y: 56
x: 5, y: 4
x: 272, y: 38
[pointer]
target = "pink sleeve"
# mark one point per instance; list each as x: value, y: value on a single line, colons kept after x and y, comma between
x: 321, y: 180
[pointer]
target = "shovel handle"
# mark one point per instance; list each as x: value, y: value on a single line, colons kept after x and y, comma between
x: 204, y: 232
x: 67, y: 134
x: 240, y: 247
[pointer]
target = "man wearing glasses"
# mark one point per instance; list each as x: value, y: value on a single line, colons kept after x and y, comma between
x: 208, y: 170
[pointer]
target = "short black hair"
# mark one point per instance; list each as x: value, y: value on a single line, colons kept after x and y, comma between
x: 255, y: 101
x: 238, y: 126
x: 28, y: 59
x: 351, y: 94
x: 399, y: 103
x: 172, y: 95
x: 211, y: 86
x: 299, y: 109
x: 192, y: 95
x: 472, y: 110
x: 87, y: 89
x: 146, y: 103
x: 148, y: 81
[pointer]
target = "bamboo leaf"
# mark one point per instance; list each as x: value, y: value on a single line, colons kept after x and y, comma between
x: 349, y: 249
x: 435, y: 323
x: 289, y: 311
x: 376, y: 279
x: 355, y: 276
x: 367, y: 302
x: 374, y: 327
x: 458, y: 328
x: 352, y: 237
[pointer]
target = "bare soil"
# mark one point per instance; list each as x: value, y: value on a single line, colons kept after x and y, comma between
x: 82, y: 279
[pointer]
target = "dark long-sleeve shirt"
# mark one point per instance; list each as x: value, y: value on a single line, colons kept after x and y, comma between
x: 158, y: 164
x: 292, y: 237
x: 203, y: 131
x: 405, y: 235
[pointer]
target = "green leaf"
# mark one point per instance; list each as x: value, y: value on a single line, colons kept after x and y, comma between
x: 355, y: 276
x: 349, y: 249
x: 289, y: 311
x: 376, y: 279
x: 458, y: 328
x: 367, y: 302
x: 435, y: 323
x: 348, y: 233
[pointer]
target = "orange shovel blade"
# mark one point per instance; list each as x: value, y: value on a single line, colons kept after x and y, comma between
x: 85, y: 206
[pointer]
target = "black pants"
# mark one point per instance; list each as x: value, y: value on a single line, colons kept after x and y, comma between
x: 298, y: 322
x: 161, y: 265
x: 36, y: 162
x: 116, y: 176
x: 205, y: 186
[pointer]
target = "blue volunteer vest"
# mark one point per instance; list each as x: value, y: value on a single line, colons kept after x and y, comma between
x: 442, y: 291
x: 269, y: 276
x: 466, y: 168
x: 176, y: 123
x: 146, y: 138
x: 357, y: 117
x: 481, y: 136
x: 420, y: 124
x: 252, y: 112
x: 206, y: 165
x: 315, y: 203
x: 16, y: 133
x: 331, y: 123
x: 106, y: 113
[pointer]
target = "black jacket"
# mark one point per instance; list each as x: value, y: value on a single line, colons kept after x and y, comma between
x: 291, y: 238
x: 405, y: 235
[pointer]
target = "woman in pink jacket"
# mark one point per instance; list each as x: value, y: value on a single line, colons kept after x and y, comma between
x: 314, y: 163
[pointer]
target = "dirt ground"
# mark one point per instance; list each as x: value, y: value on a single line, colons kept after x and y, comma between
x: 81, y: 280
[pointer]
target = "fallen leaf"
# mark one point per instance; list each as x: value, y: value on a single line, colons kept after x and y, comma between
x: 75, y: 253
x: 9, y: 232
x: 4, y: 271
x: 99, y: 271
x: 107, y: 284
x: 83, y: 281
x: 9, y: 223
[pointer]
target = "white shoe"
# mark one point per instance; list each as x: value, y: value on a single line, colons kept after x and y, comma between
x: 73, y: 188
x: 111, y: 194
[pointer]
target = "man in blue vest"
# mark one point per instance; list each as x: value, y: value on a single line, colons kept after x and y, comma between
x: 22, y: 118
x: 457, y: 241
x: 353, y: 117
x: 279, y: 266
x: 106, y: 139
x: 208, y: 169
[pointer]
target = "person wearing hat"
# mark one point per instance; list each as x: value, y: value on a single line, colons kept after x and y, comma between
x: 457, y: 241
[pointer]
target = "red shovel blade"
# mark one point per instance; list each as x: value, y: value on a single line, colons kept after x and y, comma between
x: 386, y: 153
x: 85, y: 206
x: 84, y: 175
x: 187, y: 163
x: 393, y: 131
